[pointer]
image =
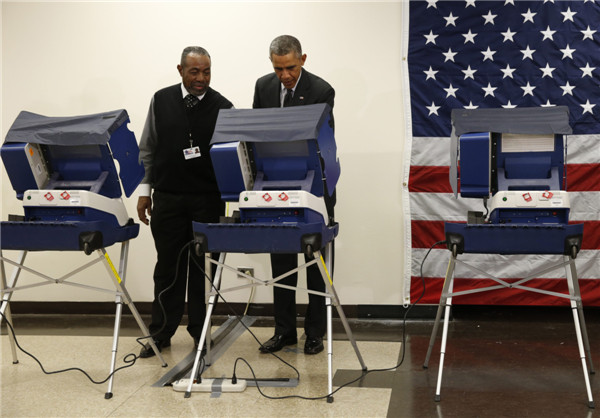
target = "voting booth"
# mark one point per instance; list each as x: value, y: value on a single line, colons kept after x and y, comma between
x: 63, y: 169
x: 280, y: 166
x: 514, y: 161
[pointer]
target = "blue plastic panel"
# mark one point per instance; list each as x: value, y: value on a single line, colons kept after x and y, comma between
x: 514, y: 239
x: 475, y: 165
x: 60, y: 236
x: 254, y: 238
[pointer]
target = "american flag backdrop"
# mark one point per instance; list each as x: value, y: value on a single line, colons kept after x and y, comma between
x: 490, y: 54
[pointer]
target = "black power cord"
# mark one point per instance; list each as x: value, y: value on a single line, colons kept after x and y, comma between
x: 128, y: 359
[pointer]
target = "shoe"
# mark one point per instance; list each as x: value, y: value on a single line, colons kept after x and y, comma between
x: 313, y: 345
x: 277, y: 342
x: 147, y: 350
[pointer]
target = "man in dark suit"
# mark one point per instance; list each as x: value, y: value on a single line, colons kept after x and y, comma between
x: 291, y: 85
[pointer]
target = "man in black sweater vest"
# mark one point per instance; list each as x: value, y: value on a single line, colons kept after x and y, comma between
x: 174, y: 148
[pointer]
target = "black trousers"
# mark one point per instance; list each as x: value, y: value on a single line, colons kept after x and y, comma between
x: 284, y: 300
x: 171, y: 224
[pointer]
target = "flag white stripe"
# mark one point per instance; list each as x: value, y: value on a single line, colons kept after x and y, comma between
x: 585, y: 206
x: 583, y: 149
x: 435, y: 151
x: 502, y: 266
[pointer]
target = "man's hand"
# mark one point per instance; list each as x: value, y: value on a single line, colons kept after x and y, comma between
x: 144, y: 205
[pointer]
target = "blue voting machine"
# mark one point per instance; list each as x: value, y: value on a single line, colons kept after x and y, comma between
x: 514, y: 161
x: 63, y: 169
x: 280, y: 166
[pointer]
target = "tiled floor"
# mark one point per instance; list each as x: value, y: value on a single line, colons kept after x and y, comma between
x: 499, y: 363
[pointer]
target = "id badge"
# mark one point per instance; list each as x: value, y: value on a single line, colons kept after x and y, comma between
x: 191, y: 152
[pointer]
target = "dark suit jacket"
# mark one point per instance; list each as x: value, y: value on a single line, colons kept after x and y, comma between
x: 311, y: 89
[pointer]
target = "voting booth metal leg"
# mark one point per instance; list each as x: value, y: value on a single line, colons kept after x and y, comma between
x: 579, y: 321
x: 574, y: 297
x: 5, y: 308
x: 118, y: 278
x: 336, y: 301
x: 446, y: 302
x: 331, y: 298
x: 575, y: 293
x: 440, y: 309
x: 207, y: 320
x: 118, y: 313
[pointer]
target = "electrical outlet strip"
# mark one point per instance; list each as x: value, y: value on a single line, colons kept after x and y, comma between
x: 210, y: 385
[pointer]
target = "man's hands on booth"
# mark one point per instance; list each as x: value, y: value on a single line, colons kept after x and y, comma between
x: 144, y: 206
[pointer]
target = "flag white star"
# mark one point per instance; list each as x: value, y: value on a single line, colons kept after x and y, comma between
x: 508, y: 71
x: 470, y: 3
x: 567, y: 89
x: 450, y: 19
x: 528, y: 89
x: 567, y: 52
x: 432, y: 3
x: 568, y: 15
x: 433, y: 109
x: 527, y: 53
x: 508, y: 35
x: 451, y: 91
x: 548, y: 104
x: 547, y: 71
x: 528, y: 16
x: 587, y: 70
x: 489, y: 90
x: 588, y: 33
x: 509, y: 105
x: 430, y: 73
x: 489, y: 18
x: 548, y: 33
x: 469, y: 37
x: 469, y: 73
x: 546, y: 1
x: 587, y: 107
x: 471, y: 106
x: 430, y: 38
x: 488, y: 54
x: 509, y: 2
x: 449, y: 55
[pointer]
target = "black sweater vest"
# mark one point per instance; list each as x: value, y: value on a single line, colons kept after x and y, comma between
x: 171, y: 172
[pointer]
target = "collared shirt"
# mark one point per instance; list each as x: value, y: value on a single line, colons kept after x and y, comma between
x: 284, y: 90
x: 184, y: 93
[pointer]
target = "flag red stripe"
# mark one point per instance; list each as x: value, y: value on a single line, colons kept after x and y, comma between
x: 434, y: 179
x: 590, y: 292
x: 583, y: 177
x: 429, y: 179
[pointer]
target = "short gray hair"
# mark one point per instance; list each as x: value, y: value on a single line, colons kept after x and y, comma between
x: 284, y: 44
x: 193, y: 50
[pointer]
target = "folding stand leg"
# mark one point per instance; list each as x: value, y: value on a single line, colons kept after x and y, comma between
x: 331, y: 290
x: 5, y: 308
x: 438, y: 315
x: 575, y: 292
x: 579, y: 322
x: 126, y: 298
x: 205, y: 329
x: 446, y: 301
x: 118, y: 313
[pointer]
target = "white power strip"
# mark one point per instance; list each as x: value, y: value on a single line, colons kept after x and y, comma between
x: 210, y: 385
